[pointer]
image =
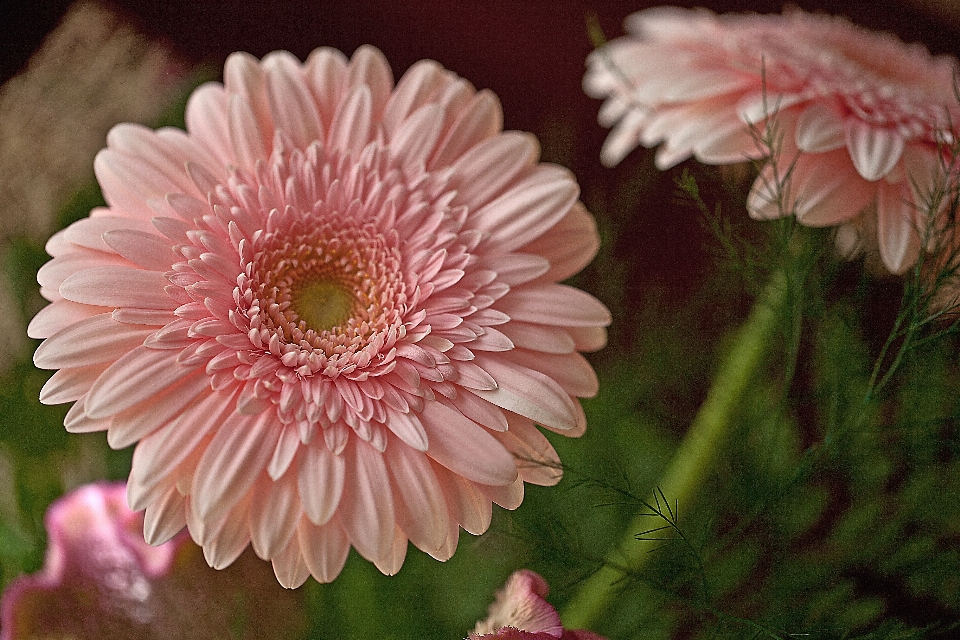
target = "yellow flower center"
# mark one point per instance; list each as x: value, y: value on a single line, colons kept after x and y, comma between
x: 323, y: 304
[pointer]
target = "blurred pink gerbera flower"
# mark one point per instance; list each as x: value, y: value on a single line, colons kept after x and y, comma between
x: 521, y: 612
x: 864, y: 118
x: 101, y: 580
x: 329, y: 313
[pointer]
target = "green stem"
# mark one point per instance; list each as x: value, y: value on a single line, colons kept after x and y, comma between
x: 694, y: 457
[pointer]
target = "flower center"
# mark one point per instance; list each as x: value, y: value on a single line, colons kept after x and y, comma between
x: 323, y: 304
x: 323, y: 293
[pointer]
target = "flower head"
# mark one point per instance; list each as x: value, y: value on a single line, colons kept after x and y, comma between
x: 863, y: 119
x: 101, y: 580
x: 328, y: 313
x: 521, y: 612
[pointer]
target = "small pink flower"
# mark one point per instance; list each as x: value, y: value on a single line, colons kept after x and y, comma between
x: 521, y: 612
x: 101, y: 580
x: 329, y: 313
x: 864, y: 117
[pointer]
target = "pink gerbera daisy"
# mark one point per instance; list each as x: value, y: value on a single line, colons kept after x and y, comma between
x: 329, y: 312
x: 864, y: 117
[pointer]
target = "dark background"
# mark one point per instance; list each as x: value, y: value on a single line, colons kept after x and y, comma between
x: 530, y: 52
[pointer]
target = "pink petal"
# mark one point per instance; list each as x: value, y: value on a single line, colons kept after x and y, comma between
x: 537, y: 460
x: 241, y: 447
x: 555, y: 305
x: 533, y: 205
x: 352, y: 124
x: 289, y: 566
x: 159, y: 454
x: 819, y: 128
x: 480, y: 120
x: 367, y: 507
x: 146, y: 250
x: 324, y: 549
x: 421, y: 509
x: 92, y: 340
x: 321, y: 480
x: 325, y: 69
x: 118, y: 287
x: 60, y: 315
x: 491, y: 166
x: 274, y: 522
x: 139, y: 375
x: 530, y: 394
x: 466, y: 448
x: 896, y: 228
x: 875, y: 151
x: 390, y: 563
x: 291, y: 105
x: 467, y: 505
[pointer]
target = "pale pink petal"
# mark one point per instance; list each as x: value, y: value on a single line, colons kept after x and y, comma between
x: 321, y: 481
x: 390, y: 563
x: 537, y: 460
x: 324, y: 548
x: 819, y: 129
x: 464, y: 447
x: 232, y: 535
x: 554, y: 304
x: 874, y: 150
x: 367, y: 513
x: 67, y: 385
x: 112, y: 286
x: 325, y: 69
x: 488, y: 168
x: 530, y: 394
x: 417, y: 137
x: 351, y: 127
x: 246, y: 134
x: 164, y: 518
x: 467, y: 505
x: 139, y: 375
x: 159, y: 454
x: 368, y: 66
x: 55, y: 317
x: 480, y: 120
x: 52, y: 274
x: 274, y: 524
x: 242, y: 444
x: 418, y: 86
x: 206, y: 119
x: 507, y: 496
x: 569, y: 246
x: 91, y: 340
x: 289, y: 567
x: 421, y: 509
x: 291, y: 105
x: 570, y: 370
x: 535, y: 203
x: 146, y: 250
x: 896, y: 228
x: 244, y: 78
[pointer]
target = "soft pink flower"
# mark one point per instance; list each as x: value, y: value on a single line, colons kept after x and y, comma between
x: 521, y: 612
x: 864, y: 117
x: 101, y: 580
x: 329, y: 313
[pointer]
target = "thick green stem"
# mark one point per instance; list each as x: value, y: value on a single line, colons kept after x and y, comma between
x: 694, y: 457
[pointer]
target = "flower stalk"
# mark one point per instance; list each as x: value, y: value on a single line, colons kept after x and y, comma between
x: 694, y: 457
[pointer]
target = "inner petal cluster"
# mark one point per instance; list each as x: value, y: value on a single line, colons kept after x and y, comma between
x: 331, y: 290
